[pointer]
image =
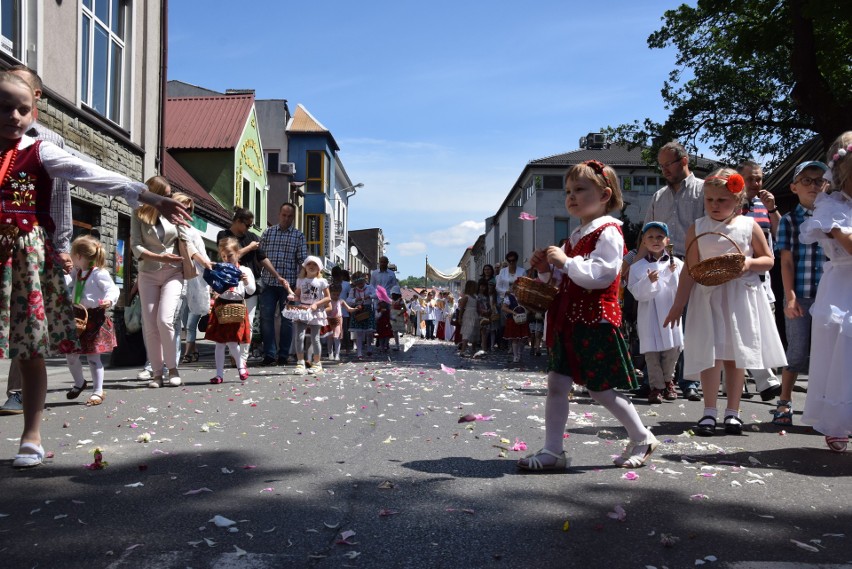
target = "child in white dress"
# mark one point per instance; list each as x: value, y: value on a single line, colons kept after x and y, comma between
x: 313, y: 296
x: 653, y: 282
x: 828, y: 407
x: 730, y: 325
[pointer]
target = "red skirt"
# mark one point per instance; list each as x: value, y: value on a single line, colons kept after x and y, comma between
x: 514, y: 331
x: 239, y: 332
x: 441, y: 333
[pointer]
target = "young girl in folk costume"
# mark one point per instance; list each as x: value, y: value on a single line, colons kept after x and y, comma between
x: 234, y: 334
x: 828, y: 406
x: 362, y: 320
x: 653, y: 283
x: 398, y: 314
x: 731, y: 325
x: 35, y: 312
x: 334, y: 329
x: 468, y: 317
x: 516, y: 333
x: 582, y: 332
x: 93, y: 289
x: 312, y: 296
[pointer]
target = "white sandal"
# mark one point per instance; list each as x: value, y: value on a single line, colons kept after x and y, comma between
x: 29, y: 460
x: 630, y: 460
x: 535, y: 464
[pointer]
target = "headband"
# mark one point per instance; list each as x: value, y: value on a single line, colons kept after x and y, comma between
x: 733, y: 183
x: 598, y: 167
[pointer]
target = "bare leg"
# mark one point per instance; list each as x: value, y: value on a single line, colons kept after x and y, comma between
x: 555, y: 416
x: 34, y: 392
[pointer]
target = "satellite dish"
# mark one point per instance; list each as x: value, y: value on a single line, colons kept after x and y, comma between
x: 353, y: 250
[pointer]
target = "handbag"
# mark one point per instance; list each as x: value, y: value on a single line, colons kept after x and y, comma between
x: 197, y: 296
x: 133, y: 316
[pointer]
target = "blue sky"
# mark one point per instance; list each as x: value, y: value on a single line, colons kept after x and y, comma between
x: 437, y: 106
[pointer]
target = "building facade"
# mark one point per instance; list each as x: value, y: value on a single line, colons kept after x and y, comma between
x: 100, y: 64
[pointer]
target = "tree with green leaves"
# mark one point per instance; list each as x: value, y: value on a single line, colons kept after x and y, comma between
x: 753, y: 78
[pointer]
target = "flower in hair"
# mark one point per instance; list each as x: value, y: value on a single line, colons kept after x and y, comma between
x: 733, y: 183
x: 597, y: 166
x: 839, y: 155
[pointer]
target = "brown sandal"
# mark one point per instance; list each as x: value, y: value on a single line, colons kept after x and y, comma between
x: 95, y: 399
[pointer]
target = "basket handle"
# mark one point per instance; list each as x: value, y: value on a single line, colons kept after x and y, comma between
x: 695, y: 240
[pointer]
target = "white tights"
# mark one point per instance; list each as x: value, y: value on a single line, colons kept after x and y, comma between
x: 219, y: 356
x: 556, y: 411
x: 75, y: 365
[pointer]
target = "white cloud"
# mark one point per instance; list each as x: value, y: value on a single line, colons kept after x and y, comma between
x: 462, y: 234
x: 411, y: 248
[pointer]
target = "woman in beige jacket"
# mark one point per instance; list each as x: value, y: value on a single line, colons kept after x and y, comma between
x: 155, y: 243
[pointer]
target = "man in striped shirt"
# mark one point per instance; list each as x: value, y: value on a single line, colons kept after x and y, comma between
x: 761, y: 207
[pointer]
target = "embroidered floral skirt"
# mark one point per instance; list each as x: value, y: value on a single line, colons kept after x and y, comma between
x: 36, y: 319
x: 593, y: 355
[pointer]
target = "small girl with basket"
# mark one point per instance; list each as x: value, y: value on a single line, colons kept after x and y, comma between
x: 582, y: 331
x: 729, y: 323
x: 362, y: 320
x: 517, y: 329
x: 94, y: 293
x: 229, y: 322
x: 309, y: 314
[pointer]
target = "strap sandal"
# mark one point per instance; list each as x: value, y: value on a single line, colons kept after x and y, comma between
x: 733, y: 425
x: 95, y: 399
x: 24, y: 460
x: 704, y: 428
x: 534, y: 463
x: 629, y: 458
x: 75, y: 391
x: 837, y: 444
x: 783, y: 418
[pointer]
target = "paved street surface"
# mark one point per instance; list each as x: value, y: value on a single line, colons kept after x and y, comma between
x: 368, y: 466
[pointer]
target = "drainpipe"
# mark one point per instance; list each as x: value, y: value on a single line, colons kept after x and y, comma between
x: 164, y: 65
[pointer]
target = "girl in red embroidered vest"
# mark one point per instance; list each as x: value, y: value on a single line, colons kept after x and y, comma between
x: 35, y: 312
x: 582, y: 330
x: 93, y: 289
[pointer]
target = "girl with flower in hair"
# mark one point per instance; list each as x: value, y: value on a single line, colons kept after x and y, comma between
x: 730, y: 325
x: 582, y: 332
x: 828, y: 407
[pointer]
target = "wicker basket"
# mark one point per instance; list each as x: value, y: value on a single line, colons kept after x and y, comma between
x: 519, y: 316
x: 533, y: 294
x: 716, y: 270
x: 81, y: 318
x: 231, y: 313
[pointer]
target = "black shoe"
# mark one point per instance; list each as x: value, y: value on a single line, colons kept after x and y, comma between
x: 770, y: 393
x: 733, y: 425
x: 283, y: 361
x: 692, y: 395
x: 643, y: 392
x: 267, y: 361
x: 704, y: 428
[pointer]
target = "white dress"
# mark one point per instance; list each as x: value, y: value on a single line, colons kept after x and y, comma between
x: 828, y: 407
x: 470, y: 319
x: 732, y: 321
x: 654, y: 302
x: 311, y: 291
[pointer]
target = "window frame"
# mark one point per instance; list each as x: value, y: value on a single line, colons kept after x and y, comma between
x: 117, y: 81
x: 315, y: 246
x: 313, y: 180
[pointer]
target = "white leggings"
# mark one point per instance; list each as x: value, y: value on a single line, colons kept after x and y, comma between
x: 219, y: 357
x: 96, y: 366
x: 301, y: 330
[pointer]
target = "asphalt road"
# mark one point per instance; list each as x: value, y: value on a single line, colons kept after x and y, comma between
x: 293, y: 465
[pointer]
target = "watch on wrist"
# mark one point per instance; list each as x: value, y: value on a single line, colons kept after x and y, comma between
x: 773, y: 210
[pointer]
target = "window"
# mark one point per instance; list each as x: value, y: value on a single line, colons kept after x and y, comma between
x: 258, y: 204
x: 85, y: 217
x: 246, y: 203
x: 10, y: 26
x: 102, y: 48
x: 272, y: 159
x: 639, y: 184
x: 553, y: 183
x: 626, y: 184
x: 314, y: 234
x: 561, y: 229
x: 315, y: 181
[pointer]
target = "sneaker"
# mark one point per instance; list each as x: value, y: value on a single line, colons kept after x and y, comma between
x: 244, y: 374
x: 692, y: 395
x: 300, y: 369
x: 217, y: 380
x: 14, y: 405
x: 655, y: 396
x: 156, y: 382
x: 669, y: 394
x: 144, y: 375
x: 174, y: 380
x: 479, y: 354
x: 316, y: 369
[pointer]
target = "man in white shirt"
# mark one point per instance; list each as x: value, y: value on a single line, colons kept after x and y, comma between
x: 383, y: 276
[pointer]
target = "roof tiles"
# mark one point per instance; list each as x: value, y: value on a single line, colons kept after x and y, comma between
x: 210, y: 123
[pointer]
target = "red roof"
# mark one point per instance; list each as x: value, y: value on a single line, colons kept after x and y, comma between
x: 182, y: 181
x: 207, y: 122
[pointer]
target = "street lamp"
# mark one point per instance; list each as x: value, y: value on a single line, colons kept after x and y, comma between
x: 353, y: 189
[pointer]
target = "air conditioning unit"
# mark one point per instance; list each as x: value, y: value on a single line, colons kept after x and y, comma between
x: 287, y: 168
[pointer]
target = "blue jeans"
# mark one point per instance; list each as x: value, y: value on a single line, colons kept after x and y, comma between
x: 273, y: 299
